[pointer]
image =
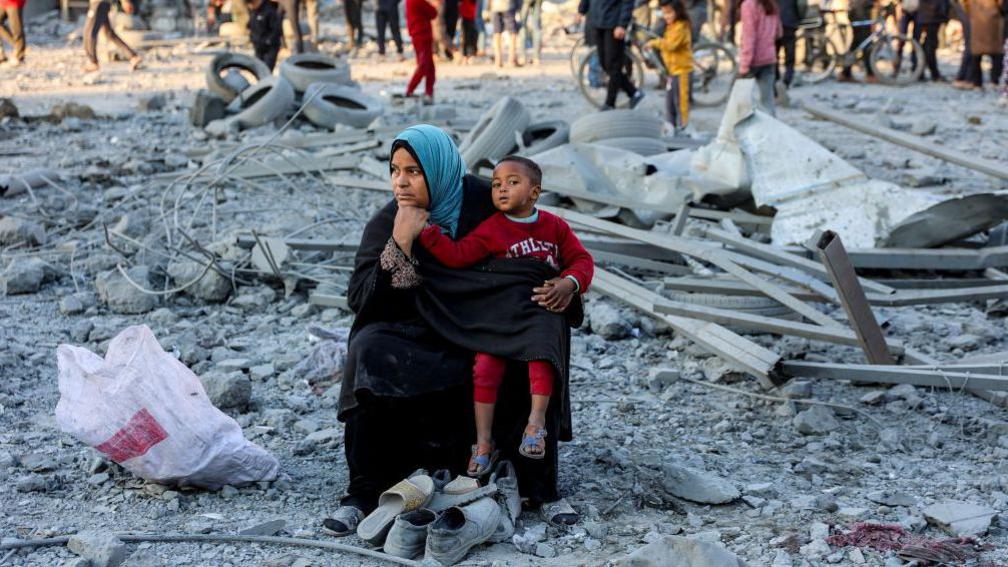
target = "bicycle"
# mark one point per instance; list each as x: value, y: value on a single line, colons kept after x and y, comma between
x: 887, y: 51
x: 815, y: 53
x: 714, y: 69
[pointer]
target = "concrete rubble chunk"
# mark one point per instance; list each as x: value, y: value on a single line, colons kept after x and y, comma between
x: 271, y: 527
x: 228, y: 391
x: 101, y: 548
x: 15, y: 230
x: 8, y: 109
x: 23, y: 275
x: 697, y: 485
x: 817, y: 420
x: 607, y: 322
x: 677, y: 551
x: 123, y: 297
x: 210, y: 287
x: 892, y: 498
x: 72, y: 110
x: 960, y: 518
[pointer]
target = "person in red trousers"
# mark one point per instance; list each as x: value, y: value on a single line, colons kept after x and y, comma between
x: 419, y: 14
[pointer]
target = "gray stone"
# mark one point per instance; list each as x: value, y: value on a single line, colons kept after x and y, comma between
x: 960, y: 518
x: 32, y: 483
x: 38, y: 462
x: 874, y: 397
x: 797, y: 389
x: 894, y: 498
x: 152, y: 103
x: 964, y: 342
x: 15, y: 230
x: 607, y: 322
x: 98, y: 479
x: 72, y: 110
x: 329, y: 435
x: 676, y: 551
x: 81, y: 330
x: 228, y: 491
x: 817, y: 420
x: 211, y: 286
x: 8, y: 109
x: 901, y: 392
x: 71, y: 305
x: 697, y: 485
x: 545, y: 550
x: 101, y: 548
x: 123, y: 297
x: 891, y: 438
x: 923, y: 126
x: 271, y: 527
x: 226, y: 391
x: 23, y: 275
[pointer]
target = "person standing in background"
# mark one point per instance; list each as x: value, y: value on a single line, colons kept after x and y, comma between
x: 450, y: 18
x: 12, y: 30
x: 505, y: 21
x: 608, y: 20
x: 98, y: 20
x: 470, y: 33
x: 959, y: 11
x: 291, y: 10
x: 530, y: 24
x: 761, y: 26
x: 789, y: 19
x: 387, y: 15
x: 355, y: 29
x: 265, y: 30
x: 311, y: 9
x: 859, y: 10
x: 930, y: 15
x: 419, y: 15
x: 987, y: 25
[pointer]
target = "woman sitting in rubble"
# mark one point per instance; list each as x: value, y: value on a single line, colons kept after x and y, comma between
x: 407, y: 394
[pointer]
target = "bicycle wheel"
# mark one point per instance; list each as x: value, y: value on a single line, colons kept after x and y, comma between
x: 593, y: 85
x: 714, y: 71
x: 896, y: 59
x: 815, y: 57
x: 577, y: 53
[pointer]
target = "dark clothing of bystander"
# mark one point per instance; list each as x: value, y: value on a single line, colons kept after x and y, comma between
x: 266, y: 32
x: 387, y: 16
x: 98, y: 20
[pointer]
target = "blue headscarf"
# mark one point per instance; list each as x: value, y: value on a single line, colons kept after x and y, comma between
x: 443, y: 169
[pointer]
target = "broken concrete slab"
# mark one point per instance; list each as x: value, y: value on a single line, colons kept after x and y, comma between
x: 892, y: 498
x: 24, y: 275
x: 607, y: 322
x: 121, y: 296
x: 210, y: 286
x: 960, y: 518
x: 696, y: 485
x: 816, y: 420
x: 228, y: 391
x: 102, y: 549
x: 15, y: 230
x: 268, y: 528
x: 18, y: 183
x: 677, y: 551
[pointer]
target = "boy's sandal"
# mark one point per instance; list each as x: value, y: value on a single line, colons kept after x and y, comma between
x: 533, y: 444
x: 481, y: 461
x: 559, y: 513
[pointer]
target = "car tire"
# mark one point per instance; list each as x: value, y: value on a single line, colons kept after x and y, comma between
x: 543, y: 136
x: 262, y: 102
x: 639, y: 146
x: 228, y: 62
x: 496, y: 132
x: 305, y: 69
x: 339, y: 104
x: 618, y: 123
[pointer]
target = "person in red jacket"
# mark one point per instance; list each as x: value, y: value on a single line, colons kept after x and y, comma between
x: 419, y: 14
x: 761, y: 27
x: 470, y: 35
x: 516, y: 230
x: 12, y: 30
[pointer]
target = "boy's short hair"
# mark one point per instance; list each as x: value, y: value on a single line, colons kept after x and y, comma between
x: 532, y: 169
x: 666, y: 2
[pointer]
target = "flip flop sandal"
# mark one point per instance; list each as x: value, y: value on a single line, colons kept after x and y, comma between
x: 484, y: 462
x: 559, y: 513
x: 534, y: 441
x: 407, y: 495
x: 343, y: 522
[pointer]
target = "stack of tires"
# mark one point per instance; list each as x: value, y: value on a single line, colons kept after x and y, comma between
x: 242, y: 93
x: 633, y: 130
x: 506, y: 128
x: 329, y: 95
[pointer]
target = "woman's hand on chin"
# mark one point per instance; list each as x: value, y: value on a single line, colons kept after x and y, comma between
x: 409, y: 221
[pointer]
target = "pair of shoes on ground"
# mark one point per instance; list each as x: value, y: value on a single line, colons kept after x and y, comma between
x: 447, y: 536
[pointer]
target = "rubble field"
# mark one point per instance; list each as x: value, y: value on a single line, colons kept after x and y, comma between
x: 669, y: 439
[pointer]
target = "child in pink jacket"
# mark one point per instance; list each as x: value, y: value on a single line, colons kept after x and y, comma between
x: 761, y: 26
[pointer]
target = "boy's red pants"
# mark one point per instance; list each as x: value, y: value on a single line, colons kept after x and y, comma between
x: 488, y: 373
x: 424, y: 49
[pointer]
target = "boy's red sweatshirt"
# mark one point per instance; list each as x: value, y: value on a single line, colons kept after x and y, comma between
x: 467, y: 9
x: 549, y: 239
x: 419, y: 14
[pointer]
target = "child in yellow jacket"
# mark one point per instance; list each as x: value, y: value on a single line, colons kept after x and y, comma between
x: 676, y: 51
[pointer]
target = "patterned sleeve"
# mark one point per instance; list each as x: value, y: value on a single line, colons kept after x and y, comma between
x: 401, y: 267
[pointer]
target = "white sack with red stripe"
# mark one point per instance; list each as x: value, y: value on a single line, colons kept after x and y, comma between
x: 148, y: 412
